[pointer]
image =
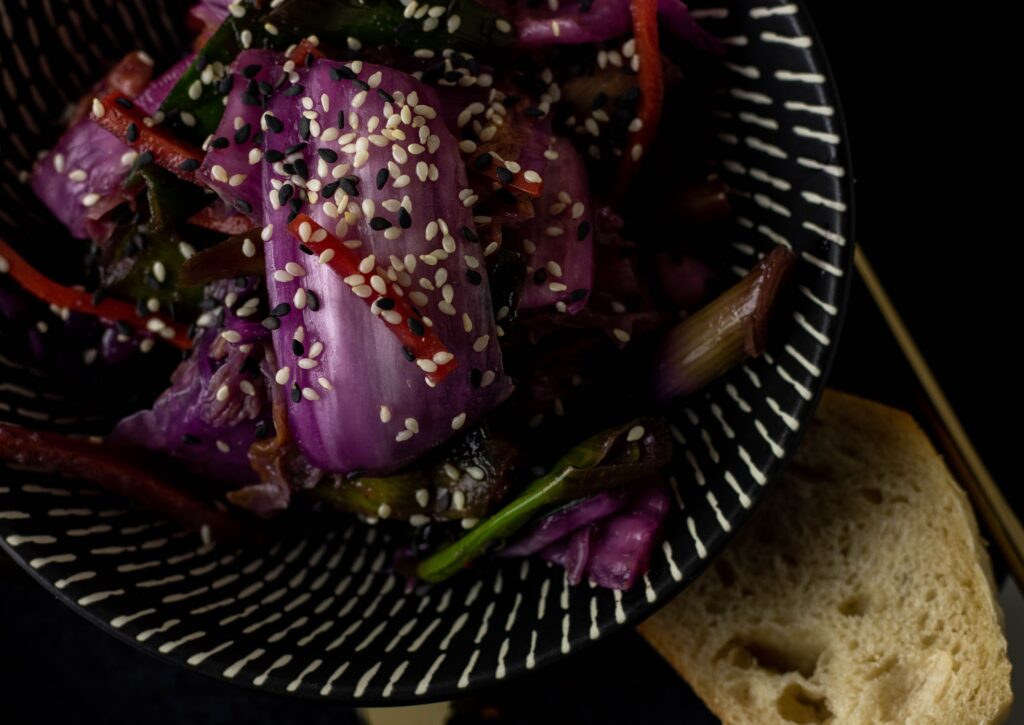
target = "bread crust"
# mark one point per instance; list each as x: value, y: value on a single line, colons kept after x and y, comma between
x: 859, y: 592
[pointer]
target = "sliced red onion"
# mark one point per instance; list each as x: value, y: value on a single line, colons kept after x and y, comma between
x: 565, y: 521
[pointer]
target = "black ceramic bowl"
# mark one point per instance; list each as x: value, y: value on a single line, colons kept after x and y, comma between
x: 317, y: 612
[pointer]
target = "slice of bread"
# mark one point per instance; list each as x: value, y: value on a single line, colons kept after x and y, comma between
x: 860, y: 592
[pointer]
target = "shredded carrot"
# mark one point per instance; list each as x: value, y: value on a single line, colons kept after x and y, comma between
x: 652, y: 88
x: 76, y: 300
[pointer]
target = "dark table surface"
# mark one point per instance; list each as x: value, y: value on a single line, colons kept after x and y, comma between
x: 927, y: 133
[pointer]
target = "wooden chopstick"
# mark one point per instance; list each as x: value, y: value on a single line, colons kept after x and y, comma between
x: 1003, y: 525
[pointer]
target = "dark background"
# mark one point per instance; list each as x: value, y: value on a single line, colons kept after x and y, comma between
x: 927, y: 95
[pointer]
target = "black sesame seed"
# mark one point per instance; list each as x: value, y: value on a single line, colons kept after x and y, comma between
x: 386, y: 303
x: 281, y: 310
x: 295, y: 205
x: 452, y: 76
x: 310, y: 60
x: 144, y: 159
x: 379, y: 224
x: 99, y: 294
x: 417, y: 327
x: 220, y: 143
x: 242, y: 134
x: 294, y: 90
x: 189, y: 165
x: 274, y: 123
x: 305, y: 250
x: 300, y: 168
x: 201, y: 61
x: 328, y: 191
x: 475, y: 377
x: 341, y: 120
x: 141, y: 310
x: 265, y: 88
x: 240, y: 282
x: 249, y: 99
x: 382, y: 178
x: 483, y: 161
x: 304, y: 129
x: 385, y: 95
x: 271, y: 323
x: 298, y: 348
x: 470, y: 235
x: 578, y: 294
x: 409, y: 354
x: 250, y: 366
x: 583, y: 230
x: 292, y: 216
x: 348, y: 187
x: 250, y: 71
x: 504, y: 175
x: 132, y: 134
x: 327, y: 155
x: 510, y: 101
x: 540, y: 276
x: 242, y: 205
x: 258, y: 138
x: 473, y: 276
x: 124, y: 102
x: 152, y: 282
x: 123, y: 328
x: 284, y: 194
x: 273, y: 156
x: 404, y: 218
x: 296, y: 393
x: 295, y: 148
x: 289, y: 168
x: 360, y: 84
x: 342, y: 72
x: 262, y: 430
x: 534, y: 112
x: 225, y: 86
x: 312, y: 300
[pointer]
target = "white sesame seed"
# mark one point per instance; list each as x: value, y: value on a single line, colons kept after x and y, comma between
x: 219, y: 173
x: 488, y: 378
x: 267, y: 233
x: 362, y: 290
x: 532, y: 176
x: 481, y: 343
x: 282, y: 276
x: 231, y: 336
x: 310, y: 394
x: 443, y: 358
x: 412, y: 424
x: 635, y: 434
x: 97, y: 110
x: 476, y: 472
x: 554, y: 268
x: 325, y: 383
x: 237, y: 179
x: 90, y: 200
x: 391, y: 317
x: 295, y: 269
x: 554, y: 231
x: 404, y: 435
x: 458, y: 500
x: 223, y: 392
x: 223, y: 447
x: 306, y: 364
x: 557, y: 287
x: 427, y: 366
x: 160, y: 272
x: 127, y: 158
x: 281, y: 378
x: 637, y: 151
x: 621, y: 335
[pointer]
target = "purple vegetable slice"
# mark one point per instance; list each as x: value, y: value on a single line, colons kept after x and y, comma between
x: 362, y: 151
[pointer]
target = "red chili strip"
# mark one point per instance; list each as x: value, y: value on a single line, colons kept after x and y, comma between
x: 76, y: 300
x: 117, y: 471
x: 405, y: 321
x: 302, y: 50
x: 652, y: 87
x: 117, y: 114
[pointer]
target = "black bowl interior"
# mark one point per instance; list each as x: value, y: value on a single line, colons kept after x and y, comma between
x: 316, y: 611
